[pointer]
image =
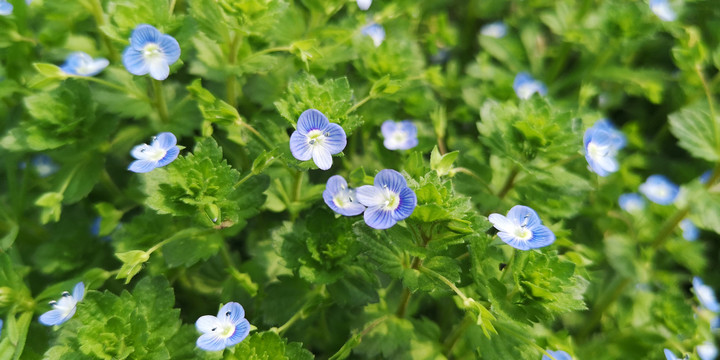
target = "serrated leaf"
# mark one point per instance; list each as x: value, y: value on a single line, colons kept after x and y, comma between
x: 697, y: 131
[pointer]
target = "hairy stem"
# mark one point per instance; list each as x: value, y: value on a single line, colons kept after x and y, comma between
x: 159, y: 101
x: 344, y: 351
x: 509, y: 182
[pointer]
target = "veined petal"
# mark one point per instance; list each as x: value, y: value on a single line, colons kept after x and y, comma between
x: 165, y: 140
x: 391, y: 179
x: 377, y: 218
x: 210, y: 342
x: 321, y: 157
x: 520, y: 215
x: 388, y: 128
x: 159, y: 69
x: 335, y: 184
x: 242, y: 329
x: 299, y: 146
x: 134, y: 61
x: 335, y: 140
x: 169, y: 157
x: 312, y: 119
x: 369, y: 195
x: 408, y: 201
x: 232, y: 312
x: 502, y: 223
x: 52, y: 317
x: 170, y: 48
x: 94, y: 67
x: 141, y: 151
x: 207, y: 323
x: 142, y: 166
x: 78, y: 291
x: 408, y: 127
x: 144, y: 34
x: 541, y: 236
x: 513, y: 241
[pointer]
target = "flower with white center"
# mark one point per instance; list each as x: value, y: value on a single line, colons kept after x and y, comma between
x: 707, y: 351
x: 340, y: 198
x: 317, y: 138
x: 64, y: 308
x: 689, y: 230
x: 662, y: 9
x: 558, y: 355
x: 602, y: 142
x: 226, y: 329
x: 82, y: 64
x: 389, y: 200
x: 44, y: 166
x: 6, y: 8
x: 399, y: 135
x: 150, y: 51
x: 364, y: 4
x: 160, y: 152
x: 495, y: 30
x: 706, y: 295
x: 525, y: 86
x: 659, y: 190
x: 522, y: 228
x: 632, y: 202
x: 376, y: 32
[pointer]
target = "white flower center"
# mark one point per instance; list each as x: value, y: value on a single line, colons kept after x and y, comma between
x: 225, y: 330
x: 525, y: 91
x: 399, y: 137
x: 392, y: 200
x: 153, y: 153
x: 316, y: 137
x: 151, y: 51
x: 596, y: 151
x: 521, y: 232
x: 66, y: 304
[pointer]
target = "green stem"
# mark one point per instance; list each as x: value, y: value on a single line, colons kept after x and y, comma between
x: 467, y: 171
x: 301, y: 313
x: 159, y: 102
x: 359, y: 104
x: 669, y: 226
x: 225, y: 253
x: 298, y: 186
x: 244, y: 179
x: 172, y: 6
x: 509, y: 182
x: 708, y: 94
x: 447, y: 282
x: 257, y: 134
x: 231, y: 82
x: 99, y: 16
x: 404, y: 301
x: 344, y: 351
x: 618, y: 286
x: 455, y: 335
x: 505, y: 270
x: 137, y: 95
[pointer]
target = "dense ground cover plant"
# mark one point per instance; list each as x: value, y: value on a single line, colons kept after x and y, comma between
x: 359, y: 179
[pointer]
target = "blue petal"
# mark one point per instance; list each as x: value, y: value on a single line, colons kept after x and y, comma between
x: 79, y: 291
x: 169, y: 157
x: 370, y: 196
x: 558, y: 355
x: 142, y: 166
x: 690, y: 231
x: 5, y: 8
x: 520, y: 214
x: 242, y: 330
x: 631, y: 202
x: 335, y: 184
x: 210, y: 342
x: 408, y: 201
x: 394, y: 181
x: 388, y: 128
x: 143, y: 35
x: 408, y: 127
x: 336, y: 140
x: 170, y: 48
x: 513, y: 241
x: 352, y: 209
x: 542, y: 236
x: 312, y: 119
x: 659, y: 189
x: 521, y: 79
x: 299, y: 146
x: 159, y: 69
x: 207, y: 323
x: 233, y: 312
x: 165, y: 140
x: 669, y: 355
x: 322, y: 157
x: 53, y: 317
x: 134, y: 61
x: 377, y: 218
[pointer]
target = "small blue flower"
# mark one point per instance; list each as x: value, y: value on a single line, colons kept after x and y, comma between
x: 706, y: 295
x: 44, y: 166
x: 150, y: 51
x: 705, y: 177
x: 670, y: 356
x: 558, y: 355
x: 1, y: 325
x: 226, y: 329
x: 602, y: 142
x: 659, y: 190
x: 340, y: 198
x: 662, y: 9
x: 6, y: 8
x: 522, y: 228
x: 525, y: 86
x: 364, y: 4
x: 317, y: 138
x: 707, y: 351
x: 690, y: 231
x: 632, y: 202
x: 495, y: 30
x: 399, y: 135
x: 376, y: 32
x: 389, y: 200
x: 64, y: 308
x: 159, y: 153
x: 82, y: 64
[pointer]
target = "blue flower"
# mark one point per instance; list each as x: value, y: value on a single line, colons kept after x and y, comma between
x: 95, y: 226
x: 1, y: 325
x: 670, y: 356
x: 690, y: 231
x: 364, y: 4
x: 632, y: 202
x: 525, y: 86
x: 399, y: 135
x: 659, y: 190
x: 522, y: 228
x: 44, y: 166
x: 226, y: 329
x: 558, y: 355
x: 495, y: 30
x: 705, y: 177
x: 64, y: 308
x: 707, y: 351
x: 150, y: 51
x: 82, y: 64
x: 389, y: 200
x: 317, y: 138
x: 706, y: 295
x: 376, y: 32
x: 662, y: 9
x: 340, y: 198
x: 6, y: 8
x: 160, y: 152
x: 602, y: 142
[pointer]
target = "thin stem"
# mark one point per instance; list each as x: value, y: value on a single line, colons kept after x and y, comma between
x: 297, y: 189
x: 505, y: 270
x: 301, y: 313
x: 669, y: 226
x: 159, y: 102
x: 404, y: 301
x: 244, y: 179
x: 344, y: 351
x: 111, y: 85
x: 265, y: 142
x: 446, y: 281
x: 441, y: 145
x: 172, y: 6
x: 708, y: 94
x: 467, y: 171
x: 98, y: 15
x: 509, y: 182
x: 455, y: 335
x: 229, y: 262
x: 359, y: 104
x: 231, y: 82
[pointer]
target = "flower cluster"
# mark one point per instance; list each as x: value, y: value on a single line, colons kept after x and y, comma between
x: 522, y: 228
x: 226, y: 329
x: 525, y: 86
x: 602, y: 142
x: 162, y: 151
x: 317, y: 138
x: 150, y: 51
x: 64, y: 308
x: 399, y: 135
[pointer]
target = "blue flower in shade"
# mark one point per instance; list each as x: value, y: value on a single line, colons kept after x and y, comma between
x: 340, y: 198
x: 82, y: 64
x: 376, y: 32
x: 150, y: 51
x: 558, y: 355
x: 64, y: 308
x: 364, y: 4
x: 1, y: 325
x: 44, y: 166
x: 705, y: 177
x: 317, y: 138
x: 226, y: 329
x: 690, y: 231
x: 632, y: 202
x: 525, y: 86
x: 6, y: 8
x: 662, y: 9
x: 602, y: 142
x: 495, y: 30
x: 388, y: 201
x: 659, y: 190
x: 670, y: 356
x: 707, y: 351
x: 399, y: 135
x: 706, y: 295
x: 522, y: 228
x: 160, y: 152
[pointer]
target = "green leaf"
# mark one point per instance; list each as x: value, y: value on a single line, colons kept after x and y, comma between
x: 132, y: 264
x: 268, y: 345
x: 442, y: 163
x: 697, y: 131
x: 190, y: 246
x: 49, y: 71
x: 212, y: 109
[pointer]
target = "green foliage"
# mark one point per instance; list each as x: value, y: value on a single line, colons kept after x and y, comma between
x: 697, y: 131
